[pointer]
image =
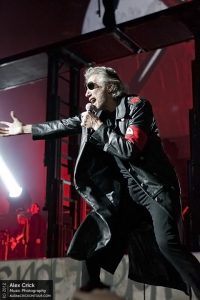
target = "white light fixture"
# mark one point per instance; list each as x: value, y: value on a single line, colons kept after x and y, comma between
x: 9, y: 181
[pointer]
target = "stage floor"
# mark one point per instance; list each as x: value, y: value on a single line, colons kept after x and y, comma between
x: 67, y: 276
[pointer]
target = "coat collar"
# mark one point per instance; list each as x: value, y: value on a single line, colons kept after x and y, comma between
x: 121, y: 108
x: 120, y: 111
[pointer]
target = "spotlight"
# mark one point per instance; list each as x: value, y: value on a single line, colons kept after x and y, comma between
x: 9, y: 181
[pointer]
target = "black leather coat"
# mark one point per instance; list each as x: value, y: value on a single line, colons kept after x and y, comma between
x: 116, y: 224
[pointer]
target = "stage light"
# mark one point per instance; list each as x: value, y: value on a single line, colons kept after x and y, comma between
x: 9, y: 181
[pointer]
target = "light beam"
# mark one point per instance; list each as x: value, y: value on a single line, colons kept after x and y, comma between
x: 9, y: 181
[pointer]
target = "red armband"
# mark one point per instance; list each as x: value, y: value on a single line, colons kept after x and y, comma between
x: 136, y: 135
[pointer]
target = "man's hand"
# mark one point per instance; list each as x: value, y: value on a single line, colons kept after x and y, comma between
x: 90, y: 120
x: 14, y: 128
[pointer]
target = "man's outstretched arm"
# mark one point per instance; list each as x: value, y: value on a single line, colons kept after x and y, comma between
x: 46, y: 130
x: 14, y: 128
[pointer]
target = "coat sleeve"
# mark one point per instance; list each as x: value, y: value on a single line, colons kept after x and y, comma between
x: 56, y: 128
x: 130, y: 144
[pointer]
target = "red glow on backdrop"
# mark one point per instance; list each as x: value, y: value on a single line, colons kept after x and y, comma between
x: 170, y: 3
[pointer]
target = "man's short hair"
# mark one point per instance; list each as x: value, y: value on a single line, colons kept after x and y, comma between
x: 109, y: 75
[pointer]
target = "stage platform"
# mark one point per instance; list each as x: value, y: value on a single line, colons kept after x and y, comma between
x: 67, y: 277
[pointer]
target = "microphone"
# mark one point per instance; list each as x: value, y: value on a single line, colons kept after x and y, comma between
x: 91, y: 108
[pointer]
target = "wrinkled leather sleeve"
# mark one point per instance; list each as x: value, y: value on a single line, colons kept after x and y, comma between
x: 116, y: 144
x: 56, y: 128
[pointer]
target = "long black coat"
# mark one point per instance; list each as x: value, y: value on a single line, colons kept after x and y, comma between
x: 116, y: 225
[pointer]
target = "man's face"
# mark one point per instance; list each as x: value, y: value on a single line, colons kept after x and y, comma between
x: 97, y: 92
x: 34, y: 208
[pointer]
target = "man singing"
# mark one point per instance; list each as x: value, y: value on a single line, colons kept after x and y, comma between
x: 127, y: 179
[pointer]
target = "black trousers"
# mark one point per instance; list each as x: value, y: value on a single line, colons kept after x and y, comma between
x: 167, y: 235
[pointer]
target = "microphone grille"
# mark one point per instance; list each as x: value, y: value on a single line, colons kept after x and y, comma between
x: 90, y: 107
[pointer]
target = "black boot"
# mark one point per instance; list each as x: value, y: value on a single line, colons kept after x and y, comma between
x: 93, y: 274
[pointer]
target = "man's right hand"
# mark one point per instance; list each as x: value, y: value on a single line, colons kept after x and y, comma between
x: 14, y: 128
